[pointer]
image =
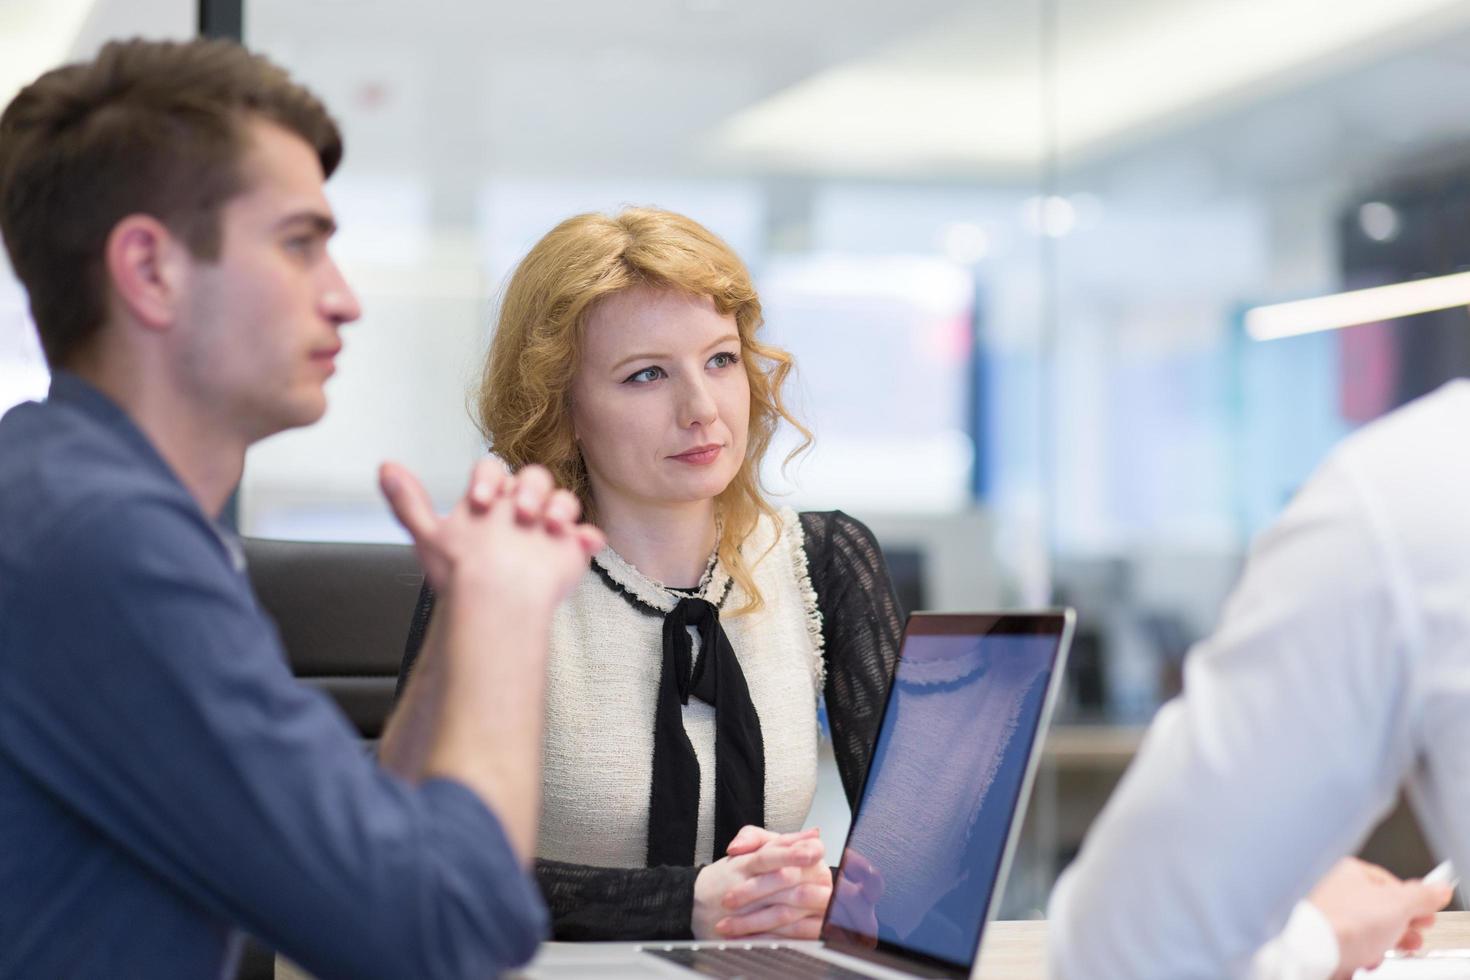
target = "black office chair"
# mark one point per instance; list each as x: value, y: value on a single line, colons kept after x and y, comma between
x: 343, y: 611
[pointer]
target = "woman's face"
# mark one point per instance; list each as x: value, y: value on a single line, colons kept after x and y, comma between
x: 660, y: 401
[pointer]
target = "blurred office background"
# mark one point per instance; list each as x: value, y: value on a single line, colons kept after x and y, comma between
x: 1014, y: 246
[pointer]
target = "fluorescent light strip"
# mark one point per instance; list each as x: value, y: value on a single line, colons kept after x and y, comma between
x: 912, y: 104
x: 1357, y: 306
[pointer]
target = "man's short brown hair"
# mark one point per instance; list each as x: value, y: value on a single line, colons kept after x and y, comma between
x: 148, y: 127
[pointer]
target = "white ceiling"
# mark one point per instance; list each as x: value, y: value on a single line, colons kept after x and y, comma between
x: 928, y: 89
x: 922, y: 90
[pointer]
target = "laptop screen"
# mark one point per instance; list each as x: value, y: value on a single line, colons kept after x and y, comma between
x: 920, y: 868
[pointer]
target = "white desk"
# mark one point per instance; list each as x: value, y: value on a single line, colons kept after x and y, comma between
x: 1017, y: 950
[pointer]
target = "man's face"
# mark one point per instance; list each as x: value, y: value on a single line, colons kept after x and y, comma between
x: 258, y: 329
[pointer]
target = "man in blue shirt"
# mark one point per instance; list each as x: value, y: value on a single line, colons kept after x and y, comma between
x: 164, y: 781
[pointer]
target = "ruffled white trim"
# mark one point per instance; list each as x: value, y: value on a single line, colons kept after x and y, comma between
x: 715, y: 582
x: 792, y: 523
x: 603, y: 679
x: 712, y: 583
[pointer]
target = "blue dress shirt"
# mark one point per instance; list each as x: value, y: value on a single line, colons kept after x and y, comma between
x: 165, y: 781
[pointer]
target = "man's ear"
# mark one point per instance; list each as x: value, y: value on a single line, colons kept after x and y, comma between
x: 146, y: 267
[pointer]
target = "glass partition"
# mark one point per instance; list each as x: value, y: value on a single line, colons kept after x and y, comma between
x: 1029, y: 257
x: 887, y: 218
x: 35, y: 37
x: 1214, y: 161
x: 1296, y: 150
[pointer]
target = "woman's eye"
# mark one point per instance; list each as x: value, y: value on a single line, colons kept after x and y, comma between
x: 643, y: 377
x: 725, y: 358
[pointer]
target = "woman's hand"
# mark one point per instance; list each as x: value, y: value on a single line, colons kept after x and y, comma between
x: 767, y: 885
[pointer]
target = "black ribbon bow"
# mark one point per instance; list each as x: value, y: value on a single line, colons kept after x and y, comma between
x: 740, y: 758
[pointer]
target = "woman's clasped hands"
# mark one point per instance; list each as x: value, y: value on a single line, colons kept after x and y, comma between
x: 767, y: 886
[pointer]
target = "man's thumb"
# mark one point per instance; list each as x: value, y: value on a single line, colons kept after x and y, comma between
x: 1423, y: 899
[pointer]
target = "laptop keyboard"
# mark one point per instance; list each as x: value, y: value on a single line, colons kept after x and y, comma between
x: 754, y: 963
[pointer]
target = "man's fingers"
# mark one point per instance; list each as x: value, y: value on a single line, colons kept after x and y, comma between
x: 413, y: 508
x: 1375, y: 874
x: 408, y: 499
x: 533, y: 486
x: 590, y: 538
x: 1425, y: 899
x: 486, y: 477
x: 562, y: 510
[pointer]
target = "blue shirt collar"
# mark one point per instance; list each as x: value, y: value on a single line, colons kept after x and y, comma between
x: 74, y: 391
x: 78, y: 393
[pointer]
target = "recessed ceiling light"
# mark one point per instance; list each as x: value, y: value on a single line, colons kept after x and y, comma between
x: 1379, y: 221
x: 966, y: 243
x: 1053, y: 216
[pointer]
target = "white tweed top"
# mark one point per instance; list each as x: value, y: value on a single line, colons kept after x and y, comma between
x: 602, y: 686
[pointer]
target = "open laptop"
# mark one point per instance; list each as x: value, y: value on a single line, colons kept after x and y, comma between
x: 935, y: 825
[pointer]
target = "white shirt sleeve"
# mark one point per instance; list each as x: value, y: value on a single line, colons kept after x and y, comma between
x: 1286, y: 746
x: 1306, y: 949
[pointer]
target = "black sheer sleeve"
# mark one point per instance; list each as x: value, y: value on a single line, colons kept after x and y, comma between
x: 589, y: 903
x: 417, y: 627
x: 586, y: 902
x: 861, y: 629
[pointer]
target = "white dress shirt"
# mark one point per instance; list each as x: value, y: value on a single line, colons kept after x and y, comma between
x: 1340, y: 671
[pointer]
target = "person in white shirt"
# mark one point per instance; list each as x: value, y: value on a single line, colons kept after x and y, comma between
x: 1340, y: 673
